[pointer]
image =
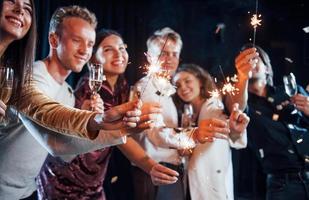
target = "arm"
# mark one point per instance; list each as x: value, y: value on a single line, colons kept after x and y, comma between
x: 244, y: 63
x: 2, y: 109
x: 60, y: 145
x: 65, y: 120
x: 159, y: 173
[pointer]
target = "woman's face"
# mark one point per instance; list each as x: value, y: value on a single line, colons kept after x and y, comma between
x: 188, y: 86
x: 16, y: 18
x: 113, y: 51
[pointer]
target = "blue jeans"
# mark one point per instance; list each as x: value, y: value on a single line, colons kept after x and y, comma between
x: 287, y: 188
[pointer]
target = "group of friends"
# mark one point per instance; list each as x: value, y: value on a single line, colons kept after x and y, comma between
x: 63, y: 152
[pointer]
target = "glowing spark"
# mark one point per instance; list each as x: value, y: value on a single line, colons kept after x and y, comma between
x: 255, y: 21
x: 215, y: 93
x: 229, y: 88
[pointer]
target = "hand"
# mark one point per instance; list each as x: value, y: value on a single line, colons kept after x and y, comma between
x: 2, y: 109
x: 185, y: 152
x: 95, y: 103
x: 301, y: 102
x: 209, y: 129
x: 161, y: 175
x: 238, y: 122
x: 131, y: 110
x: 150, y: 113
x: 245, y: 62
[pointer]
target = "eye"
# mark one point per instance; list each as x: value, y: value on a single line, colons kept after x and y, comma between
x: 28, y: 9
x: 107, y: 49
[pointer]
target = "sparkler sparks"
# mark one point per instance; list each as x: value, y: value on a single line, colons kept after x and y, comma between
x: 255, y: 21
x: 228, y: 88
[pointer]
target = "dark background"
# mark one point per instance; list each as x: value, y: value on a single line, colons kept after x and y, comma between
x: 281, y: 33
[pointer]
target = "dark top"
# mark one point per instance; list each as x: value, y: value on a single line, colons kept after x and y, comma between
x: 278, y: 137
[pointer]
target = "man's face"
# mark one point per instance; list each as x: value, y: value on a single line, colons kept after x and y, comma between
x: 169, y: 57
x: 75, y: 43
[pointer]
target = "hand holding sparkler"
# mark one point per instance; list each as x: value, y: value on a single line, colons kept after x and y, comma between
x: 245, y: 62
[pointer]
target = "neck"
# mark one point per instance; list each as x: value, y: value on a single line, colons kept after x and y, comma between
x: 56, y: 69
x: 258, y: 87
x: 112, y: 80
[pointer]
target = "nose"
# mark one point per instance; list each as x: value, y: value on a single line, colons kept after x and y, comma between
x: 18, y: 8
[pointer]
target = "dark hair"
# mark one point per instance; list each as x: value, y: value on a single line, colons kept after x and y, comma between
x: 20, y: 55
x: 206, y: 80
x: 266, y: 61
x: 101, y: 35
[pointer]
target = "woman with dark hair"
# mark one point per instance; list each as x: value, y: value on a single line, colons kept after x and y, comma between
x: 17, y: 47
x: 210, y: 169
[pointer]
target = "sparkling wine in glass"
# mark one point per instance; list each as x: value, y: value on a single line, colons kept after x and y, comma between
x: 6, y: 87
x: 290, y: 85
x: 96, y: 77
x: 187, y: 115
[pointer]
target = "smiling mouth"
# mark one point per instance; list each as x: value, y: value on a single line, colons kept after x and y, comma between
x: 17, y: 22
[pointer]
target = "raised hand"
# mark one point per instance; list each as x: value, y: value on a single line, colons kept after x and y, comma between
x: 245, y: 62
x: 238, y: 122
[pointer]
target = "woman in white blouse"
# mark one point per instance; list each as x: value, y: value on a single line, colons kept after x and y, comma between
x: 210, y: 166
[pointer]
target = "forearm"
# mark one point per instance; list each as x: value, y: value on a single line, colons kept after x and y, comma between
x: 136, y: 154
x: 55, y: 116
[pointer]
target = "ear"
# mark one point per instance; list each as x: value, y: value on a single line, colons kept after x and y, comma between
x: 53, y: 40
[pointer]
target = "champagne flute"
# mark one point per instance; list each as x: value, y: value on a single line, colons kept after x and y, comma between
x: 186, y: 117
x: 96, y: 77
x: 6, y: 87
x: 290, y: 85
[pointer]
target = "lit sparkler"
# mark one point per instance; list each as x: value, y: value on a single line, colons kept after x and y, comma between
x: 255, y: 21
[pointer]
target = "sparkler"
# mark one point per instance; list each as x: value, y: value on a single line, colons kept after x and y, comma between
x: 255, y: 21
x: 228, y: 86
x: 154, y: 69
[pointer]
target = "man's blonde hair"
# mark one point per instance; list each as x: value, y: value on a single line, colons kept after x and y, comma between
x: 160, y: 36
x: 71, y: 11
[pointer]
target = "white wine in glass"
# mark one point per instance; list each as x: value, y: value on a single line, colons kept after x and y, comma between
x: 96, y: 77
x: 6, y: 87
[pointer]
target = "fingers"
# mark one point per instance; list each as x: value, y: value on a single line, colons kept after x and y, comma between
x: 151, y: 108
x: 2, y: 108
x: 246, y: 61
x: 161, y: 175
x: 210, y: 129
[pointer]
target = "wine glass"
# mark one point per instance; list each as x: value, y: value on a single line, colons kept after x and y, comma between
x: 96, y: 78
x: 6, y: 87
x: 290, y: 85
x: 186, y: 117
